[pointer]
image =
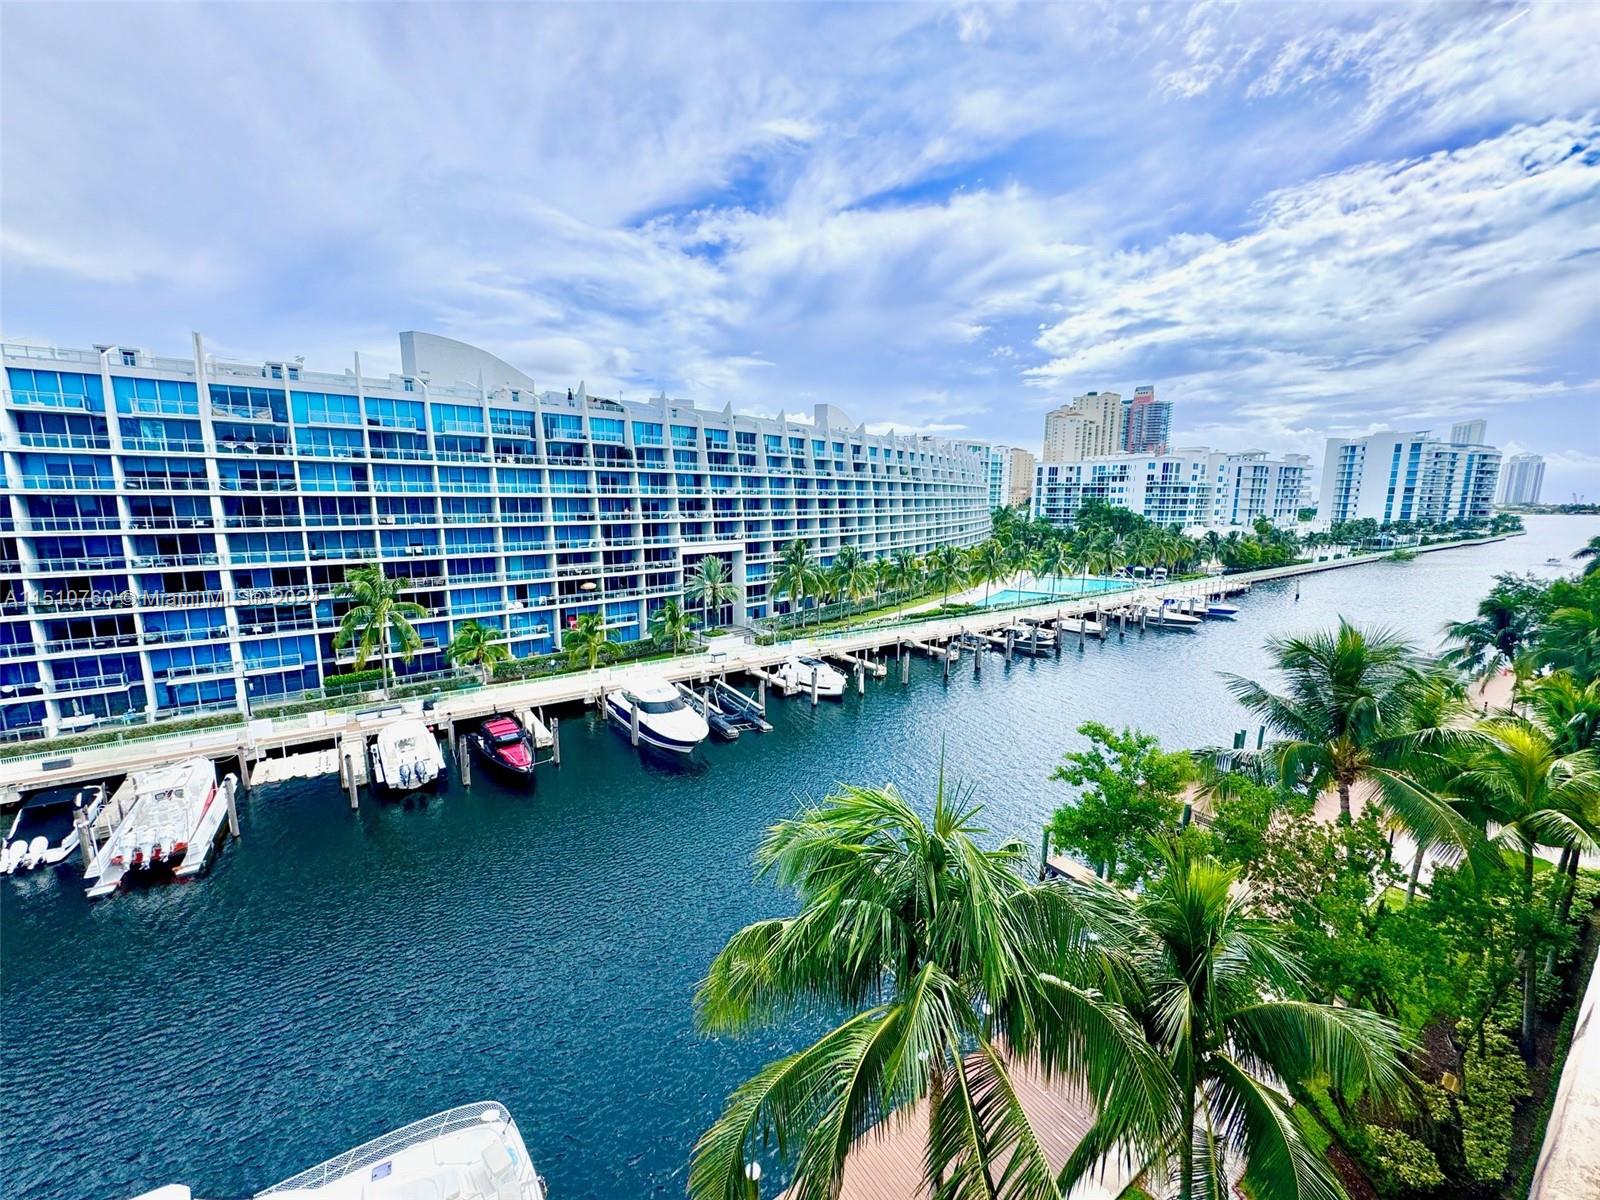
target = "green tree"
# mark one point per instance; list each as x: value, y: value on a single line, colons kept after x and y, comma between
x: 906, y: 572
x: 1506, y: 621
x: 797, y: 577
x: 1347, y: 715
x: 378, y: 620
x: 587, y: 641
x: 947, y: 569
x: 1219, y: 994
x: 1053, y: 560
x: 709, y: 586
x: 850, y: 574
x: 478, y: 646
x: 990, y: 564
x: 1128, y: 792
x: 951, y: 965
x: 1589, y: 555
x: 1519, y: 780
x: 671, y: 626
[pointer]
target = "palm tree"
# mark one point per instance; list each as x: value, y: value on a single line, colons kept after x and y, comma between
x: 797, y: 577
x: 1590, y: 551
x: 1519, y: 780
x: 587, y: 641
x: 850, y: 574
x: 947, y: 568
x: 990, y: 564
x: 709, y: 586
x: 1348, y: 715
x: 377, y: 619
x: 1505, y: 624
x: 1053, y: 559
x: 671, y: 625
x: 1570, y: 636
x: 477, y: 645
x: 1222, y: 998
x: 952, y: 965
x: 906, y: 571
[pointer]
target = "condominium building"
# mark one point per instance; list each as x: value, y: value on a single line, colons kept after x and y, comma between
x: 1522, y: 479
x: 1089, y: 427
x: 1415, y: 477
x: 1008, y: 469
x: 1146, y: 422
x: 1189, y: 488
x: 173, y: 531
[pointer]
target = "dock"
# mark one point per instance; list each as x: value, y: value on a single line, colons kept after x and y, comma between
x: 254, y: 741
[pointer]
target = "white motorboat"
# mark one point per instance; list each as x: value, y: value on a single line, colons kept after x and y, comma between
x: 1222, y: 609
x: 45, y: 831
x: 654, y: 705
x: 473, y: 1152
x: 168, y: 828
x: 405, y: 757
x: 794, y: 676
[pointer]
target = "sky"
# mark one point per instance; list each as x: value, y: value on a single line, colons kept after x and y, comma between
x: 1292, y: 219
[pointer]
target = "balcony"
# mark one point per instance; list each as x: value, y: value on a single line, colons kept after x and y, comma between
x: 64, y: 441
x: 68, y: 483
x: 168, y: 483
x: 211, y: 670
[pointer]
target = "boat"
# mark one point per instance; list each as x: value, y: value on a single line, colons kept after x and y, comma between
x: 406, y: 758
x: 471, y: 1152
x: 1222, y: 609
x: 45, y: 831
x: 794, y: 675
x: 1025, y: 637
x: 664, y: 720
x: 1554, y: 562
x: 170, y: 822
x: 505, y: 745
x: 1170, y: 618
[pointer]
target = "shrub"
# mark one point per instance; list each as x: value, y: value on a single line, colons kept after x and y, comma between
x: 1495, y: 1080
x: 352, y: 681
x: 1400, y: 1163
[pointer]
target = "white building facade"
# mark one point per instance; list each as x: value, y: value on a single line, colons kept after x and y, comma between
x: 173, y: 531
x: 1391, y: 476
x: 1522, y: 479
x: 1197, y: 488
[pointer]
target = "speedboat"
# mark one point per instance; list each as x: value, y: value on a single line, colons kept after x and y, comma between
x: 45, y: 831
x: 1553, y: 562
x: 505, y: 745
x: 663, y: 718
x: 1025, y: 637
x: 473, y: 1152
x: 1218, y: 608
x: 406, y: 758
x: 169, y: 828
x: 795, y: 675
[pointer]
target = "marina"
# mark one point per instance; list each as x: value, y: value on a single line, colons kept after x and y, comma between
x: 546, y: 952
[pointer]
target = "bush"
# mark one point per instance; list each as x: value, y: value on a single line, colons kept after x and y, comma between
x: 1495, y: 1080
x: 109, y: 737
x: 1400, y: 1163
x: 352, y: 681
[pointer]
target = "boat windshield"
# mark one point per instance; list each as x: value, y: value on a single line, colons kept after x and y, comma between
x: 659, y: 706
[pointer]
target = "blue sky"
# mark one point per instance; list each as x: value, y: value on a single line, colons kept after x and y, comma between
x: 1292, y: 219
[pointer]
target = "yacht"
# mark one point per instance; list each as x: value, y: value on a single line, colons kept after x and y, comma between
x: 406, y: 757
x: 169, y: 827
x: 665, y: 720
x: 505, y: 745
x: 45, y: 831
x: 474, y: 1152
x: 794, y: 675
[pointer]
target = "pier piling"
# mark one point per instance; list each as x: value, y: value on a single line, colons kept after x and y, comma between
x: 946, y: 657
x: 233, y: 787
x: 350, y: 781
x: 1011, y: 641
x: 813, y: 687
x: 244, y: 774
x: 905, y: 663
x: 555, y: 740
x: 633, y: 724
x: 464, y: 762
x: 86, y: 844
x: 861, y: 678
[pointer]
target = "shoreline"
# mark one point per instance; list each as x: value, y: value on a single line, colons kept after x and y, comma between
x: 253, y: 740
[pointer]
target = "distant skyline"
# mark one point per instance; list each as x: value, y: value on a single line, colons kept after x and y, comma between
x: 1295, y: 221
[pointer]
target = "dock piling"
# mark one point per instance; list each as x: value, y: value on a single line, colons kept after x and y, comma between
x: 633, y: 724
x: 905, y: 663
x: 350, y: 781
x: 555, y: 740
x: 813, y: 687
x: 1011, y: 642
x: 464, y: 762
x: 232, y: 788
x: 244, y: 775
x: 861, y: 678
x: 946, y: 657
x: 86, y: 844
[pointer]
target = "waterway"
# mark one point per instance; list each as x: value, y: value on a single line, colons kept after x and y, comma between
x: 340, y: 974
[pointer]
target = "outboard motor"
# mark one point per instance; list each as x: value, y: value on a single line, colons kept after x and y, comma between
x: 405, y: 774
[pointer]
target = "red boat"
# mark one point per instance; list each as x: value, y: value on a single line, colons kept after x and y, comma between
x: 505, y: 745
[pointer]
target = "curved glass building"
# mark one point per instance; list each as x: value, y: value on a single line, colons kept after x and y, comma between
x: 173, y: 531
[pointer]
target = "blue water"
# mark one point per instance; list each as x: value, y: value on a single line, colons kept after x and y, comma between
x: 1061, y: 588
x: 340, y: 974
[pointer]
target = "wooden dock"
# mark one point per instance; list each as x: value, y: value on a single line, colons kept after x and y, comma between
x: 887, y: 1162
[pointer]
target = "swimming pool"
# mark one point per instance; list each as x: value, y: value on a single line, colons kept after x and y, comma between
x: 1063, y: 589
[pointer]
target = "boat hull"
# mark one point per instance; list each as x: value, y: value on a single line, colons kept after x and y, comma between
x: 513, y: 772
x: 648, y: 736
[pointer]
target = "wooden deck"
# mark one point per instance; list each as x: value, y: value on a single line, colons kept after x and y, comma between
x: 886, y: 1163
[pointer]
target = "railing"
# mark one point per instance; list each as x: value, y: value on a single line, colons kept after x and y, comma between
x: 455, y: 1120
x: 53, y: 400
x: 70, y: 483
x: 64, y: 441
